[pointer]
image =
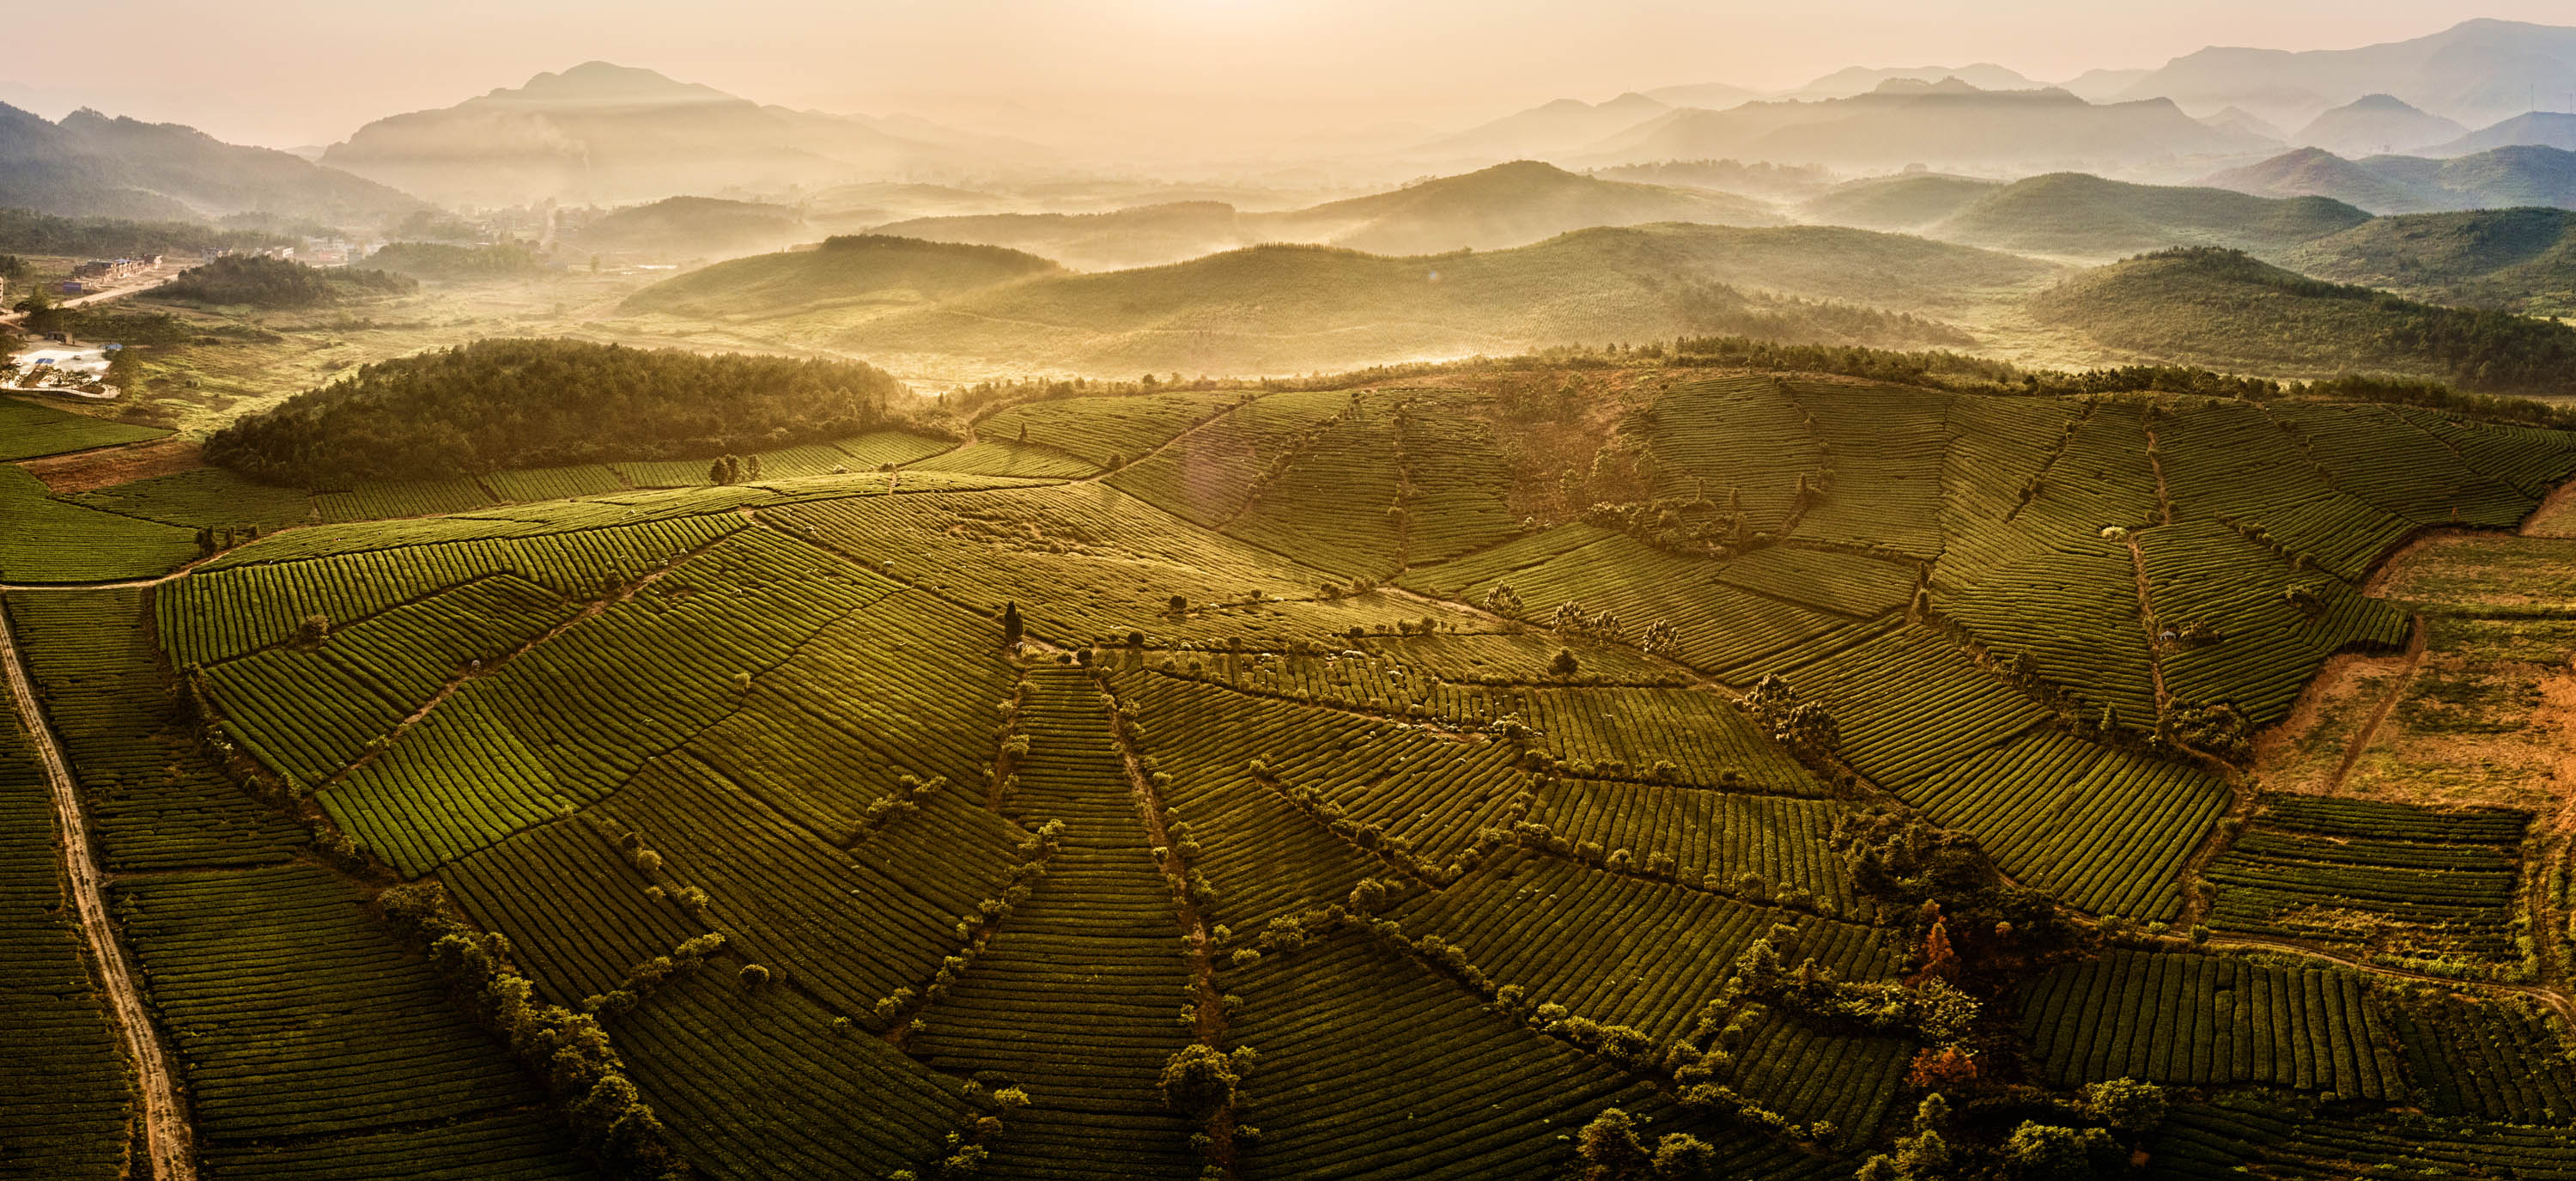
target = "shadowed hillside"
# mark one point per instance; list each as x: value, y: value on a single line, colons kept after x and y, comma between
x: 2516, y: 260
x: 2226, y: 310
x: 91, y: 165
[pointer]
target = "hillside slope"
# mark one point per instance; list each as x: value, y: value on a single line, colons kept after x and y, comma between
x: 1145, y: 235
x: 1507, y: 205
x: 2078, y: 214
x: 1898, y: 202
x: 2493, y: 179
x: 693, y: 227
x: 2223, y: 309
x: 1495, y: 208
x: 852, y: 275
x: 2517, y: 260
x: 1278, y: 309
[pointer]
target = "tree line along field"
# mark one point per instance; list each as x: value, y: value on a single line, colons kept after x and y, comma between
x: 1376, y: 793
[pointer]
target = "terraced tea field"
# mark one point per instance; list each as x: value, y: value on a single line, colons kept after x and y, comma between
x: 1231, y: 783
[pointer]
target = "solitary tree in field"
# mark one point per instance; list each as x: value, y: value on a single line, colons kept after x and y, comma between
x: 1198, y: 1081
x: 1565, y: 665
x: 1011, y: 630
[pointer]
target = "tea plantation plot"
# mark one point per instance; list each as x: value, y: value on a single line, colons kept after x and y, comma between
x: 1233, y: 780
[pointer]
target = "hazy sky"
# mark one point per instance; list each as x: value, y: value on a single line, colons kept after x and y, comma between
x: 288, y: 72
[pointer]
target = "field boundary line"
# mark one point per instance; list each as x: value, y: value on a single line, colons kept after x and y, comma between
x: 167, y: 1134
x: 498, y: 663
x: 2361, y: 738
x: 2556, y: 1001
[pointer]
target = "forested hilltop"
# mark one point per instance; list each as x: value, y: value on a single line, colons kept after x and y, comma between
x: 263, y: 282
x: 470, y: 409
x: 439, y: 260
x: 24, y: 231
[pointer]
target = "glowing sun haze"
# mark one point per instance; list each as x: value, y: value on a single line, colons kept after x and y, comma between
x: 289, y: 72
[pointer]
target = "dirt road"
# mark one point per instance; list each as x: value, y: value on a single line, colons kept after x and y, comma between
x: 166, y: 1132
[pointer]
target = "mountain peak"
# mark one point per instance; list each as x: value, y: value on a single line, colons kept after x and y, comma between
x: 608, y: 82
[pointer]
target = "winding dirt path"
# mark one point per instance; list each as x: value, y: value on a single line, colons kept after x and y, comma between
x: 167, y: 1136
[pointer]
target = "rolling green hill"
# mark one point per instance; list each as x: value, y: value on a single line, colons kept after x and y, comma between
x: 2075, y: 214
x: 1507, y: 205
x: 1898, y: 202
x: 2516, y: 260
x: 498, y: 404
x: 2520, y: 174
x: 1503, y: 206
x: 1278, y: 309
x: 2226, y: 310
x: 850, y: 275
x: 1144, y: 235
x: 692, y: 227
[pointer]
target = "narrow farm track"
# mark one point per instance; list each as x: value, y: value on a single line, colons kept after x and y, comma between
x: 1210, y: 1027
x: 2147, y: 618
x: 2369, y: 730
x: 167, y: 1135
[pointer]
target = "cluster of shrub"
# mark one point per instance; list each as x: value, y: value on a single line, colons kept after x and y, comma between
x: 440, y: 260
x: 583, y: 1072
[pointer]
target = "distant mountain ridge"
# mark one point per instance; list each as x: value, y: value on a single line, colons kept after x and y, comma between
x: 2475, y: 72
x: 608, y: 134
x: 2376, y: 123
x: 93, y: 165
x: 2546, y: 129
x: 1948, y: 124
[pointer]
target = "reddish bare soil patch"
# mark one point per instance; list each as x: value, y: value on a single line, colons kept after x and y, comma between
x: 2556, y: 516
x: 92, y: 470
